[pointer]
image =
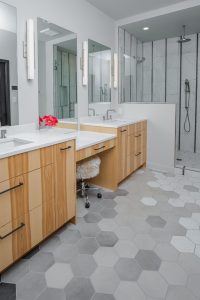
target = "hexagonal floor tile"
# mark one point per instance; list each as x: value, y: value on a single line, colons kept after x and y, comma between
x: 148, y: 201
x: 92, y: 217
x: 126, y: 249
x: 7, y: 291
x: 183, y: 244
x: 99, y: 296
x: 52, y: 294
x: 65, y: 253
x: 108, y: 213
x: 70, y: 236
x: 41, y: 262
x: 166, y: 252
x: 191, y: 188
x: 129, y: 291
x: 144, y: 241
x: 59, y: 275
x: 173, y: 273
x: 193, y: 284
x: 196, y: 217
x: 79, y: 289
x: 83, y: 265
x: 88, y: 229
x: 106, y: 256
x: 107, y: 239
x: 156, y: 221
x: 124, y: 232
x: 107, y: 225
x: 179, y: 292
x: 148, y: 260
x: 31, y: 286
x: 176, y: 202
x: 188, y: 223
x: 153, y: 184
x: 194, y: 236
x: 128, y: 269
x: 87, y: 246
x: 105, y: 280
x: 153, y: 284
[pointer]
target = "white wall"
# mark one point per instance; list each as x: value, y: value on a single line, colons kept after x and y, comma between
x: 77, y: 16
x: 161, y: 132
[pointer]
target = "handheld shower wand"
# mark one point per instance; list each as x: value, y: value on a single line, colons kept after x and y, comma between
x: 187, y: 126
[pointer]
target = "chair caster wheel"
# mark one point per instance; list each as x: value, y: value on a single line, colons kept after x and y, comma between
x: 87, y: 205
x: 99, y: 195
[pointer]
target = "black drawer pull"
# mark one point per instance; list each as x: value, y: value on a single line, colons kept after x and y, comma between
x: 100, y: 148
x: 12, y: 188
x: 13, y: 231
x: 67, y: 148
x: 138, y: 154
x: 137, y: 136
x: 124, y: 130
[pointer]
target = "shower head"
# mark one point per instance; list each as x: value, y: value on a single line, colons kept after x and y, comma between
x: 139, y: 60
x: 183, y: 38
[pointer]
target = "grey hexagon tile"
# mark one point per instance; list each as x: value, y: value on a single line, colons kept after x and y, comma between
x: 83, y: 265
x: 99, y: 296
x: 105, y: 280
x: 173, y: 273
x: 148, y: 201
x: 144, y: 241
x: 148, y: 260
x: 52, y: 294
x: 189, y: 223
x: 156, y: 221
x: 109, y: 195
x: 107, y: 239
x: 153, y: 284
x: 125, y: 248
x: 191, y: 188
x: 194, y: 236
x: 179, y: 292
x: 189, y: 262
x: 153, y: 184
x: 65, y: 253
x: 193, y: 284
x: 166, y: 252
x: 92, y: 217
x: 183, y: 244
x: 88, y: 230
x: 87, y: 246
x: 32, y: 253
x: 109, y: 203
x: 124, y: 232
x: 70, y: 236
x: 196, y: 217
x: 79, y: 289
x: 41, y: 262
x: 128, y: 269
x: 59, y: 275
x: 16, y: 272
x: 7, y: 291
x: 107, y: 225
x: 130, y: 291
x: 50, y: 244
x: 31, y: 286
x: 106, y: 256
x: 108, y: 213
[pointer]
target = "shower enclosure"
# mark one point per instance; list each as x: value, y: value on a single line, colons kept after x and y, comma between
x: 165, y: 71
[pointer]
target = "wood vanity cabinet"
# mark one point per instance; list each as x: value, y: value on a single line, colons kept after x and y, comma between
x: 131, y: 146
x: 37, y: 196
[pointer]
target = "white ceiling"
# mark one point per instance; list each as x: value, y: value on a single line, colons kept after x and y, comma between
x: 166, y: 26
x: 119, y: 9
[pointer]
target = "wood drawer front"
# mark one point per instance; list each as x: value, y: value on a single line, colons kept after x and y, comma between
x: 13, y: 199
x: 137, y: 127
x: 122, y: 130
x: 14, y: 240
x: 136, y: 142
x: 93, y: 150
x: 20, y: 164
x: 135, y: 161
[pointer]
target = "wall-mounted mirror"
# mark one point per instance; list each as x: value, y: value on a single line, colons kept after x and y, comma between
x: 57, y: 72
x: 8, y: 65
x: 99, y: 87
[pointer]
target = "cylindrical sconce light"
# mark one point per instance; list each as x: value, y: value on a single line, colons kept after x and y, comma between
x: 85, y: 63
x: 30, y: 49
x: 115, y: 84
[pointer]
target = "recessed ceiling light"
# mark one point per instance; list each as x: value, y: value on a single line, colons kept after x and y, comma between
x: 146, y: 28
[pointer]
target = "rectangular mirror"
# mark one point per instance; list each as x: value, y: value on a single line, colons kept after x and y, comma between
x: 8, y: 66
x: 57, y: 72
x: 99, y: 86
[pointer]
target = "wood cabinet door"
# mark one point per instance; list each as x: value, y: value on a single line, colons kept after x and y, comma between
x: 122, y: 152
x: 65, y: 182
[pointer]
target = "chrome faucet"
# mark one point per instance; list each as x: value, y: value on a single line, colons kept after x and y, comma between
x: 3, y: 133
x: 93, y: 111
x: 107, y: 113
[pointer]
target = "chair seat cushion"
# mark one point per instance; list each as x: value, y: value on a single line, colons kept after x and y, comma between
x: 89, y: 168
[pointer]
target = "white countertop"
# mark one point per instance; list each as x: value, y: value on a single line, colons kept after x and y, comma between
x: 37, y: 139
x: 115, y: 123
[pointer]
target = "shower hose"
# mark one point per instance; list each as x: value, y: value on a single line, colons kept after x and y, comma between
x: 187, y: 118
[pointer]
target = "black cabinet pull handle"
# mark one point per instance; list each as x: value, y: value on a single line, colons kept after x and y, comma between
x: 67, y: 148
x: 12, y: 188
x: 13, y: 231
x: 100, y: 148
x: 124, y: 130
x: 138, y: 154
x: 137, y: 136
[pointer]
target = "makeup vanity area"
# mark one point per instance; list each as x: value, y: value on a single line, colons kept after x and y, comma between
x: 38, y: 167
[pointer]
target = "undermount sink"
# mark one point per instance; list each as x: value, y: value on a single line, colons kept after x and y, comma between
x: 114, y: 121
x: 10, y: 144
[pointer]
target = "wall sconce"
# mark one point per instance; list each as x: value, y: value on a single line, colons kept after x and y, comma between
x: 30, y: 49
x: 85, y: 63
x: 115, y: 65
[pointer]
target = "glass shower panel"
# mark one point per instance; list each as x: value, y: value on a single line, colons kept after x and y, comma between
x: 159, y: 71
x: 147, y: 72
x: 127, y: 65
x: 139, y: 73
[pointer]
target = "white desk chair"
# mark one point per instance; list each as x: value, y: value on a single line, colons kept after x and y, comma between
x: 86, y: 170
